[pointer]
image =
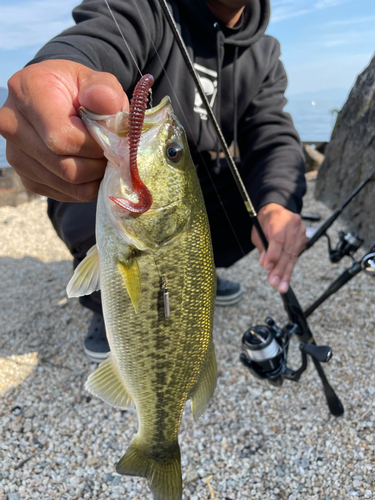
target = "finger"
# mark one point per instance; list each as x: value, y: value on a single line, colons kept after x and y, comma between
x: 280, y: 276
x: 50, y: 100
x: 72, y: 169
x: 274, y: 252
x: 42, y: 190
x: 41, y: 181
x: 281, y: 273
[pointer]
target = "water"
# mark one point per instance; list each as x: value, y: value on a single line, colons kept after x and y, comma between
x: 311, y: 113
x: 314, y: 120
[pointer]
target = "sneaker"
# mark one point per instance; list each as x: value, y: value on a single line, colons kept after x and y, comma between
x: 228, y: 292
x: 96, y: 344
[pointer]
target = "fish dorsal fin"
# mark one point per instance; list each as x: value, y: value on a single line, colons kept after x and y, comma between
x: 129, y: 270
x: 105, y: 383
x: 205, y: 387
x: 85, y: 279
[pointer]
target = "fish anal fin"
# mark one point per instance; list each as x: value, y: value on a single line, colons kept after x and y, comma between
x: 86, y: 277
x: 205, y: 387
x: 129, y: 270
x: 162, y: 472
x: 105, y: 383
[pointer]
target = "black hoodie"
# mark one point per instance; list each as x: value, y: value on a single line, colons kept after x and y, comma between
x: 242, y: 76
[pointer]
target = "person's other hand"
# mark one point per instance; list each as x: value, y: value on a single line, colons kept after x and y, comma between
x: 47, y: 143
x: 286, y: 237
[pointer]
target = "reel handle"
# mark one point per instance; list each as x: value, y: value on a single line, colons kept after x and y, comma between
x: 322, y: 353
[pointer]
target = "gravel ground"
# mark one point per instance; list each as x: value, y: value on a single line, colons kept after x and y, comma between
x: 255, y: 441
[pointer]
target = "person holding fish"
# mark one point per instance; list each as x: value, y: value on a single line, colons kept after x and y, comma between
x: 89, y: 65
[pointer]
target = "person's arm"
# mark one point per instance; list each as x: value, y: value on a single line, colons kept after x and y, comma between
x: 274, y: 172
x: 47, y: 143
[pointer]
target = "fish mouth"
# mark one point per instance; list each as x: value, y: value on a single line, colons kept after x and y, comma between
x: 119, y: 122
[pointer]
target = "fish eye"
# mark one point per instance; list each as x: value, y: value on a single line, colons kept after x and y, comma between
x: 174, y: 152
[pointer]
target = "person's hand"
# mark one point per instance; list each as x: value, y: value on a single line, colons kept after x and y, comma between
x: 286, y: 237
x: 47, y: 143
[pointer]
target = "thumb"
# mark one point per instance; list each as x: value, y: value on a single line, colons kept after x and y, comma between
x: 100, y: 92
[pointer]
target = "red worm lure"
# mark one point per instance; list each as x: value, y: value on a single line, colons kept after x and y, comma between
x: 137, y: 110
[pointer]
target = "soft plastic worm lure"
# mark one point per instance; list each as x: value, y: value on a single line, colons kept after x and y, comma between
x: 137, y: 110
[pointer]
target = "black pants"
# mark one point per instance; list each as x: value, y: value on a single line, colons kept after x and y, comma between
x: 229, y: 221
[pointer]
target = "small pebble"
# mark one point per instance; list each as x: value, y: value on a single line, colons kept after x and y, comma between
x: 14, y: 496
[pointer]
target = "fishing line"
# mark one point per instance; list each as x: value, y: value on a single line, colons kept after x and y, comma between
x: 180, y: 107
x: 122, y: 36
x: 190, y: 129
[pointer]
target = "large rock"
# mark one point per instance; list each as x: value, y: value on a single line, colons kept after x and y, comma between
x: 350, y: 158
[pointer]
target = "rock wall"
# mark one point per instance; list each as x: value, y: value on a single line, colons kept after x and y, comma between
x: 350, y: 158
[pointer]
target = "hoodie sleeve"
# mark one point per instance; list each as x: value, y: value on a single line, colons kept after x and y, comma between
x: 96, y: 42
x: 270, y: 147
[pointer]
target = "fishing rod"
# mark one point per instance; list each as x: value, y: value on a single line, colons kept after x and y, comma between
x: 297, y: 321
x: 321, y: 230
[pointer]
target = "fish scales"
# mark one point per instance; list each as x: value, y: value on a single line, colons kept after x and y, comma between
x: 156, y: 362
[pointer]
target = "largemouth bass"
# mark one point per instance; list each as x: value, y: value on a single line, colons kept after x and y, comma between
x: 157, y: 279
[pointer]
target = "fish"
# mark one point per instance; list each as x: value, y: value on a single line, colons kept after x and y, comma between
x: 156, y: 273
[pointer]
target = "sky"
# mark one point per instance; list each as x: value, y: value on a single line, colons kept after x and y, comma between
x: 325, y: 43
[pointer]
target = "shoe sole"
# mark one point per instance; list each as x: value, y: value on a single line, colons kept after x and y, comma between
x: 96, y: 357
x: 229, y: 300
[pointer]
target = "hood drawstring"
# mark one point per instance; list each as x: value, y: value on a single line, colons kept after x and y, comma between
x: 235, y: 144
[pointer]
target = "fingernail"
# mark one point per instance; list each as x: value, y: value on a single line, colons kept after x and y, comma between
x: 274, y: 281
x: 283, y: 288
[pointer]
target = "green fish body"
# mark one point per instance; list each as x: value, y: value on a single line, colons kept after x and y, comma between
x: 158, y: 284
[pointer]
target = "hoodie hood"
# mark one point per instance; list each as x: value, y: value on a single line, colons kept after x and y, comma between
x: 253, y: 24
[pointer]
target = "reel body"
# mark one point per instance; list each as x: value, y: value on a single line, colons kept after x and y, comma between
x: 347, y: 245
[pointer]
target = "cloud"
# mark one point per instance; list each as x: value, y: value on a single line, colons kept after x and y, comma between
x: 33, y: 23
x: 286, y: 9
x: 348, y: 22
x: 351, y: 38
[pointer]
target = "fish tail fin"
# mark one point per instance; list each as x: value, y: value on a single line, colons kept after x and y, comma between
x: 162, y: 473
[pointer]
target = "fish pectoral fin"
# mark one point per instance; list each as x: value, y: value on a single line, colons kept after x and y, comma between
x: 105, y: 382
x: 163, y: 472
x: 205, y: 387
x: 129, y: 270
x: 85, y: 279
